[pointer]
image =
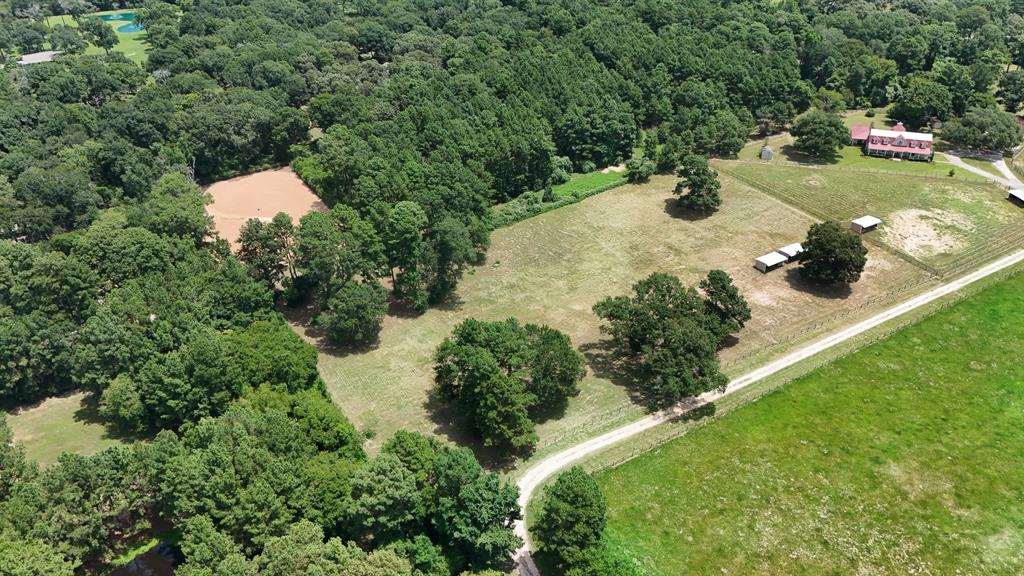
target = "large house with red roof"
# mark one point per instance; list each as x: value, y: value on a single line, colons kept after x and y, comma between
x: 895, y: 143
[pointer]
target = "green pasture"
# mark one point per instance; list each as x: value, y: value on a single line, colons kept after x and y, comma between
x: 983, y: 165
x: 946, y: 224
x: 903, y: 458
x: 131, y: 44
x: 61, y: 424
x: 581, y: 183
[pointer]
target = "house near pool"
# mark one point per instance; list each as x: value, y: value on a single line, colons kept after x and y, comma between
x: 896, y: 143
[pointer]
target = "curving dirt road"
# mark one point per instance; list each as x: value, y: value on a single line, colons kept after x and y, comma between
x: 536, y: 475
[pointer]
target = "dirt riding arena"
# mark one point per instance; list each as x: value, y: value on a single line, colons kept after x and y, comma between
x: 261, y: 195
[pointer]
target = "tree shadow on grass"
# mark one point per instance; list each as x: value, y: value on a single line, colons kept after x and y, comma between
x: 301, y: 318
x: 607, y: 360
x: 450, y: 422
x: 679, y: 212
x: 89, y: 413
x: 792, y: 154
x: 797, y: 282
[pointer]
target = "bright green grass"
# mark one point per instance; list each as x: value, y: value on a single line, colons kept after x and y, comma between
x: 984, y: 165
x: 63, y: 424
x: 945, y: 223
x: 586, y: 182
x: 904, y: 458
x: 133, y: 44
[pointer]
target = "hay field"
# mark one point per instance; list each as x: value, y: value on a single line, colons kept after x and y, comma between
x: 554, y: 267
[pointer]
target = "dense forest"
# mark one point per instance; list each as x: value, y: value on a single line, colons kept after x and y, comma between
x: 411, y: 119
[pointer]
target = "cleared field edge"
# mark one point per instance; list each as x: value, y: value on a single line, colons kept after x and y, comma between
x: 505, y: 215
x: 812, y: 330
x: 1001, y: 242
x: 653, y: 438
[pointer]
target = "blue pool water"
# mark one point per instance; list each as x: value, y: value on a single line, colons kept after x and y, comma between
x: 129, y: 17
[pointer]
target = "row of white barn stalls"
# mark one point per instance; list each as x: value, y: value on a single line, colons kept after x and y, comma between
x: 775, y: 259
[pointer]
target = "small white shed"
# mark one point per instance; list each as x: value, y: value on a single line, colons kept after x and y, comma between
x: 769, y: 261
x: 37, y: 57
x: 864, y: 224
x: 791, y: 251
x: 1015, y: 195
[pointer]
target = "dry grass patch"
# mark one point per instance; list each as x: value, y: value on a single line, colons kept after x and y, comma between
x: 553, y: 268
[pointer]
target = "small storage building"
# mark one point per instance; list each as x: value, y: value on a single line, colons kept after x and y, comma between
x: 767, y: 154
x: 864, y: 224
x: 791, y: 251
x: 1016, y: 195
x: 769, y: 262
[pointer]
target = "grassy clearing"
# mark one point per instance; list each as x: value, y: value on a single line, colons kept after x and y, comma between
x: 131, y: 44
x: 983, y: 165
x: 902, y: 458
x: 582, y: 183
x: 61, y: 424
x: 552, y: 268
x: 945, y: 224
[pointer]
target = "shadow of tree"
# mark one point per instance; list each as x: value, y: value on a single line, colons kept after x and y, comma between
x: 89, y: 413
x: 609, y: 361
x: 675, y: 210
x: 795, y: 155
x: 302, y: 317
x: 797, y: 282
x: 451, y: 423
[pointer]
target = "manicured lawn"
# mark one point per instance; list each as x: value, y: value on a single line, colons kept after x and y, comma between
x: 586, y: 182
x: 851, y: 156
x: 984, y: 165
x: 904, y: 458
x: 948, y: 224
x: 131, y: 44
x: 63, y: 424
x: 552, y: 268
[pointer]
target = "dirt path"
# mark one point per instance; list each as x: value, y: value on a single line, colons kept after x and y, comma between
x: 536, y: 476
x: 1009, y: 180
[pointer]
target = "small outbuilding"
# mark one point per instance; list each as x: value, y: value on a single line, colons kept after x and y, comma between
x: 37, y: 57
x: 767, y: 154
x: 1016, y: 195
x: 864, y: 224
x: 769, y: 262
x: 791, y: 251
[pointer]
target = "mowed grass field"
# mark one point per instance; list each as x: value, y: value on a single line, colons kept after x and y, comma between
x: 60, y: 424
x: 554, y: 267
x: 906, y: 457
x: 131, y: 44
x: 947, y: 224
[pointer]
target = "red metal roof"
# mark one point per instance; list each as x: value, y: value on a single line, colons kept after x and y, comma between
x: 923, y: 148
x: 1020, y: 120
x: 859, y: 132
x: 899, y: 127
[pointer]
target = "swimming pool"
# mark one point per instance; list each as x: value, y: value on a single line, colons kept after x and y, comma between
x: 129, y: 17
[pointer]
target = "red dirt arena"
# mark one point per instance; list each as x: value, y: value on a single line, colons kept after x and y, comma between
x: 261, y: 195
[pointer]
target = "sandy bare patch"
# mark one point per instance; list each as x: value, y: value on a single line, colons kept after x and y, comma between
x: 261, y: 195
x: 923, y: 233
x: 616, y: 168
